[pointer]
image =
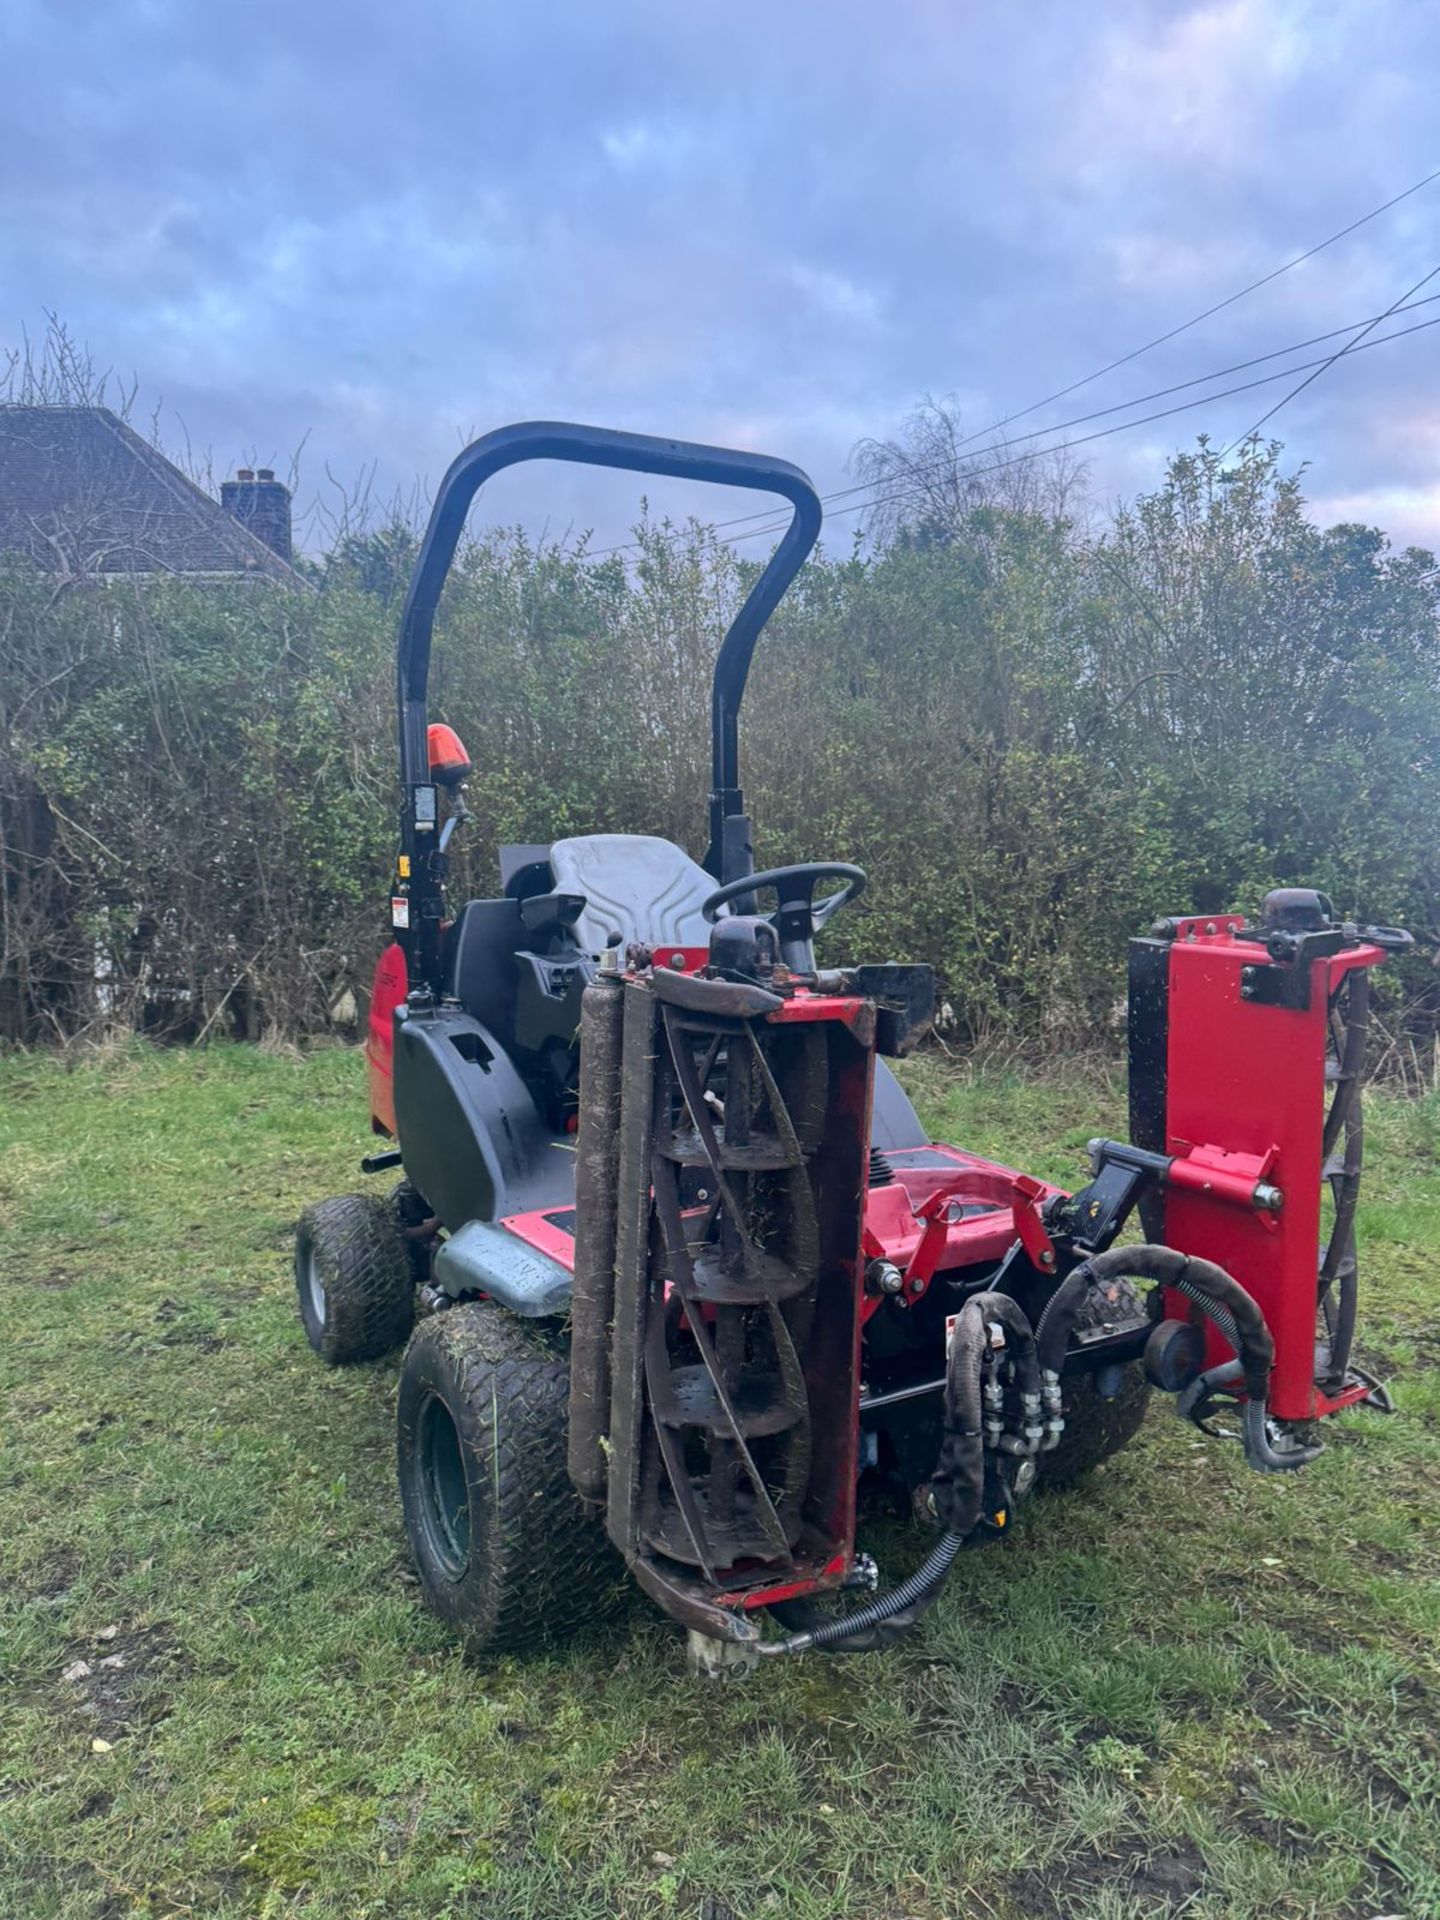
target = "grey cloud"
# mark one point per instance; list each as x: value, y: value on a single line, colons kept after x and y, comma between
x: 387, y: 228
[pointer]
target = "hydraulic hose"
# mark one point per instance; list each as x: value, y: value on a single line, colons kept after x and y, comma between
x: 868, y: 1624
x: 1260, y: 1449
x: 1214, y: 1290
x: 958, y: 1484
x: 1222, y: 1316
x: 1233, y: 1310
x: 1227, y: 1374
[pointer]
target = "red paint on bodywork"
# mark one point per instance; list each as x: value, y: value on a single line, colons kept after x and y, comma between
x: 691, y: 959
x: 804, y: 1005
x: 1028, y: 1211
x: 976, y: 1194
x: 830, y: 1575
x: 550, y: 1231
x: 388, y: 992
x: 1245, y: 1101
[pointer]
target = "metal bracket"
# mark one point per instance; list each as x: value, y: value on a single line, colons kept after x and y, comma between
x: 1285, y: 980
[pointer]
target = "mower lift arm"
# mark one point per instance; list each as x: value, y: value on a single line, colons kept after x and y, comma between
x: 636, y: 453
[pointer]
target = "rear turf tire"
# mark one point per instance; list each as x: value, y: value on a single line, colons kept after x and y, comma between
x: 354, y: 1278
x: 507, y: 1554
x: 1096, y: 1428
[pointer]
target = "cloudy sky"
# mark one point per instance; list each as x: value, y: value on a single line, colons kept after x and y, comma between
x: 384, y: 229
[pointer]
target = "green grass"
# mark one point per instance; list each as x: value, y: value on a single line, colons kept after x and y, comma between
x: 1184, y: 1689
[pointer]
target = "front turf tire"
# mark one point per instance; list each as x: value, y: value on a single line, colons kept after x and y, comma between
x: 1096, y: 1428
x: 506, y: 1553
x: 354, y: 1278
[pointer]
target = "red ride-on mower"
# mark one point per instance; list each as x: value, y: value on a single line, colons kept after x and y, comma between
x: 689, y: 1266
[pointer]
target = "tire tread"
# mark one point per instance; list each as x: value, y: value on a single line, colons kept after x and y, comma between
x: 547, y: 1562
x: 1097, y: 1428
x: 366, y: 1269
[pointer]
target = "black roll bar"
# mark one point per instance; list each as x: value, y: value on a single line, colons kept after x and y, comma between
x: 728, y: 855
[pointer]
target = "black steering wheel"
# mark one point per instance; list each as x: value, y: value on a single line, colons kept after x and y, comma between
x: 798, y: 916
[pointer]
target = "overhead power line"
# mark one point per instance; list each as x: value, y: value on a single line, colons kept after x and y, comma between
x: 1135, y: 353
x: 1353, y: 346
x: 1220, y: 305
x: 1139, y: 400
x: 1104, y: 433
x: 910, y: 491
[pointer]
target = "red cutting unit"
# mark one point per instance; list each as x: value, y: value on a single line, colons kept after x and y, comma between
x: 1238, y: 1034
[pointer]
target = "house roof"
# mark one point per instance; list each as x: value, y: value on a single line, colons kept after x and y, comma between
x: 82, y: 493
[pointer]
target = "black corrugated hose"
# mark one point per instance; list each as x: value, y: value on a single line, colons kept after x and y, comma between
x: 1234, y: 1311
x: 959, y: 1483
x: 869, y: 1624
x: 1242, y: 1324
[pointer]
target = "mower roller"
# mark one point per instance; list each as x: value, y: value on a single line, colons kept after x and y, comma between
x: 680, y: 1268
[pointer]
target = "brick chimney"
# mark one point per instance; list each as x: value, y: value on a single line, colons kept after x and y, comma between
x: 261, y: 504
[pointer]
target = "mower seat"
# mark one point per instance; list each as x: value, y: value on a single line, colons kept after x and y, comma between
x: 644, y: 888
x: 635, y: 885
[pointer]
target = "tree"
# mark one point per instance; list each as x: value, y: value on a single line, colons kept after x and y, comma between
x: 931, y: 479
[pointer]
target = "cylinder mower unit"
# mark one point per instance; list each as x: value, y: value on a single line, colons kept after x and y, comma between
x: 721, y: 1297
x: 688, y: 1269
x: 1236, y: 1032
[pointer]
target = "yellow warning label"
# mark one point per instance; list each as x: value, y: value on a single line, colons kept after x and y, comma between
x: 403, y: 866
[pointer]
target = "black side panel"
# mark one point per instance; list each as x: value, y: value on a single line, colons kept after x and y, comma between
x: 904, y: 999
x: 1149, y: 1046
x: 893, y: 1121
x: 473, y: 1142
x: 481, y: 972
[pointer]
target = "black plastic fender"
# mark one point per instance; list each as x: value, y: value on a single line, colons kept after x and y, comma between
x: 472, y: 1139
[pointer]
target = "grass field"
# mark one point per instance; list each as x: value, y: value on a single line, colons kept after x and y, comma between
x: 1184, y: 1689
